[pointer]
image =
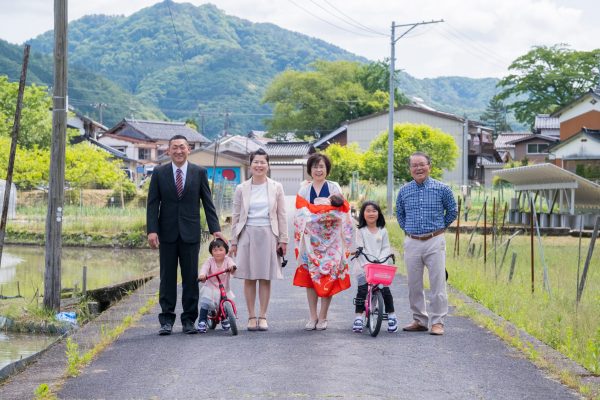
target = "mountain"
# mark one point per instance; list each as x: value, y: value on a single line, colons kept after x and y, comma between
x: 201, y: 64
x: 85, y: 87
x: 180, y: 61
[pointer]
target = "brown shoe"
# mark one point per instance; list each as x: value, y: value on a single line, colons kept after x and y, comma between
x: 415, y: 327
x: 437, y: 329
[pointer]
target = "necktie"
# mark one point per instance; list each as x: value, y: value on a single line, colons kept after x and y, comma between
x: 179, y: 182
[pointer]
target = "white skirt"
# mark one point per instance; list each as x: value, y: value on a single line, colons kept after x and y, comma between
x: 256, y: 256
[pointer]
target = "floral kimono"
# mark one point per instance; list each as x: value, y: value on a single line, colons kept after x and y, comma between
x: 323, y: 238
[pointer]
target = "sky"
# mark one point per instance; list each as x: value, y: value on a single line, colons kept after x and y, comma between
x: 478, y: 38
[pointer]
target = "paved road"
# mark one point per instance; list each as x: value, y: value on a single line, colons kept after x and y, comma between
x: 288, y: 362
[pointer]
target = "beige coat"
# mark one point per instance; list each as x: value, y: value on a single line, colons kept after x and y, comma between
x: 277, y: 212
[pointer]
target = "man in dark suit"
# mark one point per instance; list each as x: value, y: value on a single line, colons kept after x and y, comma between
x: 173, y: 216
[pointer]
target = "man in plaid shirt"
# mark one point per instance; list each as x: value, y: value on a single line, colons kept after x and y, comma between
x: 425, y: 207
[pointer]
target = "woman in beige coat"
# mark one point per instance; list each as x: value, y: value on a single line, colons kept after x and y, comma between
x: 260, y: 231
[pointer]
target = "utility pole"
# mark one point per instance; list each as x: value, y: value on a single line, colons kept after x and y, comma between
x: 13, y: 148
x: 465, y: 154
x: 57, y: 160
x: 100, y: 106
x: 390, y: 174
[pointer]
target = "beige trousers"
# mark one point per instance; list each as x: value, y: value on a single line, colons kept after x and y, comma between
x: 419, y: 254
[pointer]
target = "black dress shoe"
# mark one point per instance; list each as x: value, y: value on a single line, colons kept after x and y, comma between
x: 165, y: 329
x: 189, y: 328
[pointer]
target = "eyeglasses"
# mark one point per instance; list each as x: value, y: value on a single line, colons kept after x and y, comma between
x: 415, y: 166
x: 257, y: 162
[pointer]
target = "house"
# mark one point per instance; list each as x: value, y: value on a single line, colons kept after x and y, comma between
x: 478, y: 143
x: 583, y: 112
x: 147, y: 141
x: 287, y: 159
x: 546, y: 125
x: 223, y: 168
x: 86, y: 126
x: 338, y: 136
x: 533, y: 148
x: 582, y: 148
x: 504, y: 147
x: 288, y: 163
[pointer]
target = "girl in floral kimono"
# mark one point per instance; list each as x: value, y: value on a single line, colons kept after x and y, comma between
x: 323, y: 237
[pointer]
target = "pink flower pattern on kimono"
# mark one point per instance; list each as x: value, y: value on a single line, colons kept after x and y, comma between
x: 323, y: 241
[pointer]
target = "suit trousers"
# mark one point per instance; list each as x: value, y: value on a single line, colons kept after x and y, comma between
x: 419, y: 254
x: 186, y: 255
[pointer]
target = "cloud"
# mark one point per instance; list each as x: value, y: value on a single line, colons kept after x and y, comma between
x: 479, y: 38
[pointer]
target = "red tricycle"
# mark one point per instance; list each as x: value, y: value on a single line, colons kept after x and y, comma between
x: 226, y: 309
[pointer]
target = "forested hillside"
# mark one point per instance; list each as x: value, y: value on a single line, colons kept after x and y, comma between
x: 179, y: 61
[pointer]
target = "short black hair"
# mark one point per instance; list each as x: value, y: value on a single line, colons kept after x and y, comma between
x: 218, y: 243
x: 314, y: 159
x: 259, y: 152
x: 361, y: 215
x: 177, y: 137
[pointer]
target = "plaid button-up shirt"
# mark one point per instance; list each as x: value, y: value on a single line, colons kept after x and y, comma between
x: 425, y: 208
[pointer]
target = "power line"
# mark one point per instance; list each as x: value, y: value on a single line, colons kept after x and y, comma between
x: 344, y: 20
x: 353, y: 20
x: 328, y: 22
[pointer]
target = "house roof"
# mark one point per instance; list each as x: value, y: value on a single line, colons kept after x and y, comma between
x: 545, y: 121
x: 329, y: 136
x: 412, y: 107
x: 166, y: 158
x: 123, y: 138
x: 549, y: 176
x: 533, y: 136
x: 503, y: 140
x: 289, y: 149
x: 591, y: 133
x: 590, y: 93
x: 161, y: 130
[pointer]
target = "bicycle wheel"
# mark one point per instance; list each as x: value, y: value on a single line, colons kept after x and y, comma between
x: 231, y: 317
x: 375, y: 313
x: 212, y: 320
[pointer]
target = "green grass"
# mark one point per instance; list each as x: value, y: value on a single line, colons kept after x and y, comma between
x: 97, y: 220
x: 555, y: 317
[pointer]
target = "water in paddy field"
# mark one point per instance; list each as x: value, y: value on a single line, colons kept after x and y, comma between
x: 16, y: 346
x: 23, y: 267
x: 22, y: 272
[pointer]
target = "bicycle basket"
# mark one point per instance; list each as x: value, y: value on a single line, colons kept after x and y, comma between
x: 380, y: 273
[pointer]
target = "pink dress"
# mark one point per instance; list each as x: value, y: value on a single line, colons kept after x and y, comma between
x: 209, y: 293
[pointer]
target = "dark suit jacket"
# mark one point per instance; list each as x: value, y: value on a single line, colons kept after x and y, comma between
x: 169, y: 216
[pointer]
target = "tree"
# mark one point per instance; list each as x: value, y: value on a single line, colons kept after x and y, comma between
x: 88, y: 166
x: 495, y: 116
x: 547, y: 78
x: 32, y: 166
x: 345, y: 160
x: 321, y: 99
x: 409, y: 138
x: 36, y: 118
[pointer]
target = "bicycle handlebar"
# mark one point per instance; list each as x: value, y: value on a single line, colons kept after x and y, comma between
x: 370, y: 258
x: 219, y: 273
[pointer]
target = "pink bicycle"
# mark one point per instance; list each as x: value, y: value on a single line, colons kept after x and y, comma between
x: 378, y: 274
